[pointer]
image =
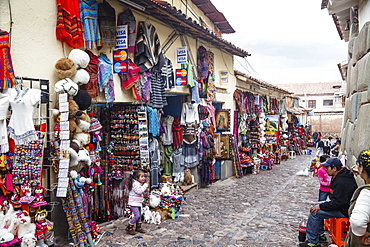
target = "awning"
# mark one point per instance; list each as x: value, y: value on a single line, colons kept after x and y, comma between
x: 174, y: 17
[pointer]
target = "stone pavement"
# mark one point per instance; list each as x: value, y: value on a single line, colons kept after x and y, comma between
x: 256, y: 210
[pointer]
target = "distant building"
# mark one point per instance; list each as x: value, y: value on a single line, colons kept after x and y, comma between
x: 326, y: 102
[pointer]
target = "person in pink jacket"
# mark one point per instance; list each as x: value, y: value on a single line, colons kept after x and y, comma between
x: 324, y: 179
x: 137, y: 186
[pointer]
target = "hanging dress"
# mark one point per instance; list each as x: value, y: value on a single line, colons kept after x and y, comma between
x: 7, y: 78
x: 23, y: 103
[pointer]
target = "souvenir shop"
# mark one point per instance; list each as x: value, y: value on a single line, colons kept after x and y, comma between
x: 268, y: 127
x: 68, y: 149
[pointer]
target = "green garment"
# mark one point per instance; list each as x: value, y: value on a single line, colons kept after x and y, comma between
x: 190, y: 78
x: 167, y: 164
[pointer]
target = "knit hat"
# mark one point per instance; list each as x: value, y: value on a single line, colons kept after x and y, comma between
x: 83, y: 100
x: 80, y: 58
x: 95, y: 125
x: 65, y: 68
x: 81, y: 77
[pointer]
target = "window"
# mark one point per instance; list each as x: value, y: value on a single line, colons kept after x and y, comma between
x: 312, y: 104
x: 327, y: 102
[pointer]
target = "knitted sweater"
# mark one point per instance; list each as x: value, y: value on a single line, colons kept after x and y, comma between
x: 136, y: 194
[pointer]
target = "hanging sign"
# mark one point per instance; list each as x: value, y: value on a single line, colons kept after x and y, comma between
x: 121, y: 37
x: 181, y: 55
x: 181, y: 77
x: 224, y: 76
x: 120, y: 61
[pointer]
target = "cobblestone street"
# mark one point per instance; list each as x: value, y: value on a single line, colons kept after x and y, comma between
x: 256, y: 210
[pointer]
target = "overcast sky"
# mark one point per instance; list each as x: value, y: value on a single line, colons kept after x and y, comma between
x: 291, y: 41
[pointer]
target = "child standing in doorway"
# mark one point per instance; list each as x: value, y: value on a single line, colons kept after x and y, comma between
x: 137, y: 186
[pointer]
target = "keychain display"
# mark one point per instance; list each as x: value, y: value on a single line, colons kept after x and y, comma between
x: 28, y: 159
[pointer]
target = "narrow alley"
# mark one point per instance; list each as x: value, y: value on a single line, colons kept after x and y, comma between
x: 256, y: 210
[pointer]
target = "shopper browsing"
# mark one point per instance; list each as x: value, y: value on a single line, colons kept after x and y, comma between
x: 137, y: 186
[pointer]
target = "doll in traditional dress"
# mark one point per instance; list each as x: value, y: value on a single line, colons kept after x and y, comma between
x: 39, y: 197
x: 44, y: 227
x: 27, y: 192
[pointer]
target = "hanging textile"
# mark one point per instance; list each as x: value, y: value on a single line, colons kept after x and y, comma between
x: 167, y: 74
x: 127, y: 18
x: 105, y: 76
x: 157, y: 91
x: 107, y: 24
x: 202, y: 66
x: 89, y: 18
x: 69, y: 26
x: 23, y: 102
x: 149, y: 52
x: 7, y: 78
x: 211, y: 87
x: 92, y: 87
x: 177, y: 132
x: 4, y: 105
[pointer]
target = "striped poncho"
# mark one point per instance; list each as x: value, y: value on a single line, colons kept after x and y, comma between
x: 69, y: 26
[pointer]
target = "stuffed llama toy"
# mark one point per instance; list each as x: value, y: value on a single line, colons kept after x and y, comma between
x: 25, y: 226
x: 28, y: 240
x: 147, y: 214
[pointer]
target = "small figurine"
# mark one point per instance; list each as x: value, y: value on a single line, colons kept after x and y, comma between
x: 27, y: 192
x: 44, y: 227
x: 39, y: 197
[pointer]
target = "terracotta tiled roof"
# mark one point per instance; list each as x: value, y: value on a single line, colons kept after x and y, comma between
x: 174, y: 17
x: 262, y: 83
x: 214, y: 15
x: 312, y: 88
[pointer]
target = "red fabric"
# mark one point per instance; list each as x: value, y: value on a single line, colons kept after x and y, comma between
x: 92, y: 87
x: 69, y: 26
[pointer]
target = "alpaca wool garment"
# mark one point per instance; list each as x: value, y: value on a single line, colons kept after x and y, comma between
x: 7, y: 78
x: 149, y: 52
x: 127, y: 18
x: 106, y: 77
x: 89, y: 18
x: 69, y: 26
x: 92, y: 87
x: 107, y: 24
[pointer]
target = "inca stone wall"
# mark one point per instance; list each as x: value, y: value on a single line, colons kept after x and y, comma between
x: 356, y: 124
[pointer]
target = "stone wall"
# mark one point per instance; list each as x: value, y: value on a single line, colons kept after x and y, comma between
x: 356, y: 127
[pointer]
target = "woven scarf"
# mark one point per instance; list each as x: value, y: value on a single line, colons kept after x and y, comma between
x: 7, y: 78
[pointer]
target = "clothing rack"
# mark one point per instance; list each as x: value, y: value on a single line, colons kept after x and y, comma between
x: 43, y: 85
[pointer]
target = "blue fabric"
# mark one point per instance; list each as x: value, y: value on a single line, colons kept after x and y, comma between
x: 323, y: 195
x: 315, y: 223
x: 153, y: 121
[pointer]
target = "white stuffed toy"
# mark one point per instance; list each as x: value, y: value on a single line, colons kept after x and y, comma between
x: 80, y: 58
x: 154, y: 199
x: 83, y: 156
x: 25, y: 226
x: 81, y: 77
x: 147, y: 214
x: 28, y: 240
x: 67, y: 86
x: 156, y: 218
